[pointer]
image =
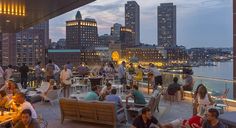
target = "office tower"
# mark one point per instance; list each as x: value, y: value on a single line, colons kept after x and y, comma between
x: 27, y: 46
x: 166, y: 25
x: 115, y: 31
x: 31, y: 44
x: 132, y: 20
x: 8, y: 49
x: 126, y: 35
x: 81, y: 34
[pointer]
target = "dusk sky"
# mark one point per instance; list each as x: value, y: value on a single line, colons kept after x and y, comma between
x: 200, y: 23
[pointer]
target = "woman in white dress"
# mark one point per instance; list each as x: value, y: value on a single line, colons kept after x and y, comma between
x: 203, y: 100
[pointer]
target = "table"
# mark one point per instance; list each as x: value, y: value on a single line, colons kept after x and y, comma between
x: 33, y: 96
x: 228, y: 118
x: 6, y: 118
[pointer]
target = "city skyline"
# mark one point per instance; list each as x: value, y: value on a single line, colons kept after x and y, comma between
x: 197, y: 22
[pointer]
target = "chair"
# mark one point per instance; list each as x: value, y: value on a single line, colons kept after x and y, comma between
x: 221, y: 101
x: 52, y: 96
x: 43, y: 88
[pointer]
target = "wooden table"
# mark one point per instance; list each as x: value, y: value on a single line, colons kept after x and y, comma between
x: 6, y: 118
x: 229, y: 119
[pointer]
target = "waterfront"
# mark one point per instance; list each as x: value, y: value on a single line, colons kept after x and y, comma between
x: 223, y: 70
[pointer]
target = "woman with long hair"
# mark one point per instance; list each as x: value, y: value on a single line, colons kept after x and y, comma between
x: 203, y: 100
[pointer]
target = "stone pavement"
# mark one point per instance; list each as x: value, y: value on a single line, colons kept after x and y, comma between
x: 51, y: 113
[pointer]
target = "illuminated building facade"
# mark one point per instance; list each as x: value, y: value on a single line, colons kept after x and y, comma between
x: 27, y: 46
x: 132, y: 19
x: 166, y: 25
x: 81, y: 34
x: 95, y: 56
x: 115, y: 31
x: 8, y: 49
x: 177, y: 55
x: 143, y: 54
x: 126, y: 37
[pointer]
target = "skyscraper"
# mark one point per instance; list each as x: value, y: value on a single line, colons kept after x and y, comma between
x: 132, y: 20
x: 115, y: 31
x: 81, y: 34
x: 27, y: 46
x: 166, y: 25
x: 31, y: 44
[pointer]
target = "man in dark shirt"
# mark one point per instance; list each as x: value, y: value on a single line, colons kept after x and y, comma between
x: 24, y: 75
x: 212, y: 120
x: 146, y: 120
x: 27, y: 121
x: 174, y: 87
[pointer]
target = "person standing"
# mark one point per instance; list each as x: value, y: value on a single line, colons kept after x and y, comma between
x: 38, y: 73
x: 122, y: 74
x: 50, y: 70
x: 65, y: 77
x: 69, y: 65
x: 24, y: 69
x: 2, y: 82
x: 9, y: 72
x: 157, y: 76
x: 56, y: 73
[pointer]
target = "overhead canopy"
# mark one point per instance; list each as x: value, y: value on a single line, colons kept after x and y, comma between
x: 36, y: 11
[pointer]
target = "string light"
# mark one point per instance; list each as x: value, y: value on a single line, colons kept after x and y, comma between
x: 12, y: 7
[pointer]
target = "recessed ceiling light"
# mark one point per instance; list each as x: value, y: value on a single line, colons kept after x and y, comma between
x: 8, y: 21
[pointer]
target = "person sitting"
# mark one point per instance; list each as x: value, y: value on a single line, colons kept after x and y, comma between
x: 106, y: 90
x: 136, y: 95
x: 12, y: 88
x: 146, y: 120
x: 203, y: 100
x: 212, y: 119
x: 50, y: 88
x: 93, y: 95
x: 4, y: 99
x: 189, y: 82
x: 27, y: 121
x: 193, y: 122
x: 114, y: 98
x: 20, y: 100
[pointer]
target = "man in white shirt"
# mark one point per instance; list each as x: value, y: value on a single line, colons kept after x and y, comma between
x: 65, y: 77
x: 157, y: 75
x: 20, y: 100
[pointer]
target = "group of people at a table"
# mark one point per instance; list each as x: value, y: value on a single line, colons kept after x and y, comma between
x: 109, y: 93
x: 14, y: 102
x: 205, y: 115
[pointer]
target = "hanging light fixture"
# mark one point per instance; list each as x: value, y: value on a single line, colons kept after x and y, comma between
x: 12, y: 7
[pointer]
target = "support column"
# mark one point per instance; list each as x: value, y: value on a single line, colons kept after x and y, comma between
x: 234, y: 48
